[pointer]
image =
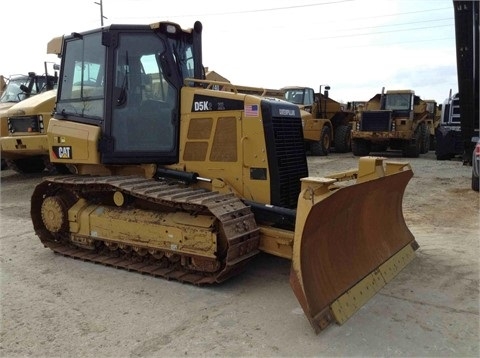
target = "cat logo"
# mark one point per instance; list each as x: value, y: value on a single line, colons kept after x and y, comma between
x: 62, y: 152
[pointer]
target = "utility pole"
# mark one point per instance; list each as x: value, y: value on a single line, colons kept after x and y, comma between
x: 101, y: 12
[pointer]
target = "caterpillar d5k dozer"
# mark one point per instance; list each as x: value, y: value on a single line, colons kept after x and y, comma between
x: 180, y: 181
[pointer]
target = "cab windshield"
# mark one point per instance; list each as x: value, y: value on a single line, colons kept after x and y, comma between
x: 398, y: 102
x: 295, y: 96
x: 13, y: 92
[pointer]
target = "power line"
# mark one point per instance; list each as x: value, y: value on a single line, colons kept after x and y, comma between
x: 349, y: 46
x: 405, y: 13
x: 256, y: 10
x: 280, y: 8
x: 292, y: 7
x: 381, y: 32
x: 389, y: 25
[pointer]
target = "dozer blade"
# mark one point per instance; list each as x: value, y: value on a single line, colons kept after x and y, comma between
x: 349, y: 242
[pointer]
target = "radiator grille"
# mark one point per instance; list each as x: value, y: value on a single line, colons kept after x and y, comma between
x: 24, y: 124
x: 376, y: 121
x: 286, y: 153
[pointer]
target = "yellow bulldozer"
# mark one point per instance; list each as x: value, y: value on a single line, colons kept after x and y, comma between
x: 326, y: 122
x: 176, y: 180
x: 397, y: 120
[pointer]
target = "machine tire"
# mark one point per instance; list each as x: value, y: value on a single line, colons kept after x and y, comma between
x: 26, y: 165
x: 343, y: 139
x: 360, y: 147
x: 424, y: 139
x: 4, y: 164
x: 412, y: 148
x: 475, y: 183
x: 322, y: 147
x: 433, y: 142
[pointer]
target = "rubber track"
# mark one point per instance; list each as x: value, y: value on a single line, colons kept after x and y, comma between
x: 235, y: 220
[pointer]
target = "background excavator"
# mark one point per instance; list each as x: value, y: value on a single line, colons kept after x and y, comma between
x: 177, y: 180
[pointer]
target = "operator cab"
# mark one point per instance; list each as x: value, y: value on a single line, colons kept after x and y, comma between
x: 21, y: 87
x: 301, y: 95
x: 127, y: 80
x: 400, y: 103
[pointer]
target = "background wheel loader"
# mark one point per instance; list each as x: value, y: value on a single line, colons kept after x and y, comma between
x: 398, y: 120
x: 325, y: 122
x: 180, y: 181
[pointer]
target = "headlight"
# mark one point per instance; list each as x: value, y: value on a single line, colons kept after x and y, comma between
x: 40, y: 123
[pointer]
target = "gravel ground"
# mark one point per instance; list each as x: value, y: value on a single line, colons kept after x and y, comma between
x: 52, y: 306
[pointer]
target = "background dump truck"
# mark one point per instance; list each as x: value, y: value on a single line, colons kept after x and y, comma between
x: 326, y: 122
x: 397, y: 120
x: 180, y: 181
x: 19, y: 88
x: 24, y: 146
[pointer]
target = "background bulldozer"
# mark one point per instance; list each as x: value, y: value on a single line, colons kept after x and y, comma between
x: 397, y: 119
x: 325, y: 122
x: 177, y: 180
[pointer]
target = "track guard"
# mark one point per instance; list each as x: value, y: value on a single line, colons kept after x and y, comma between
x: 349, y: 241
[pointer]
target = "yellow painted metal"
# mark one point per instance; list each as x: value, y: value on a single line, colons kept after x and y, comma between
x: 54, y: 46
x: 177, y: 232
x: 118, y: 198
x: 339, y: 261
x: 394, y: 265
x: 350, y: 302
x: 370, y: 168
x: 392, y: 167
x: 24, y: 144
x: 224, y: 144
x: 82, y: 137
x: 276, y: 241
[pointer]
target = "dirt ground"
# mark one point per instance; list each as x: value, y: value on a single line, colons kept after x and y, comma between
x: 52, y: 306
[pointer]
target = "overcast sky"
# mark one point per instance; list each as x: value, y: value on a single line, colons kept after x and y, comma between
x: 355, y: 46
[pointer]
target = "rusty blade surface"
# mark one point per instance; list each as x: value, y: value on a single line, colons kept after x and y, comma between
x: 345, y: 237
